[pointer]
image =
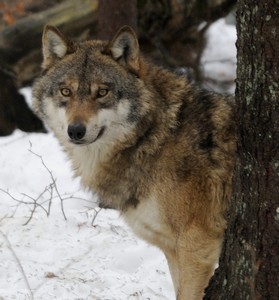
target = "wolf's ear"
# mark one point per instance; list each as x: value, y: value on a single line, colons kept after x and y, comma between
x: 55, y: 46
x: 124, y: 48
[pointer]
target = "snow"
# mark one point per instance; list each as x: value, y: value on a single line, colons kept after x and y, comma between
x: 219, y: 58
x: 53, y: 258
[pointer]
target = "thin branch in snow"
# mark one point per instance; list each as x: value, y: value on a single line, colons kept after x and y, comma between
x: 10, y: 216
x: 34, y: 203
x: 18, y: 263
x: 96, y: 212
x: 67, y: 197
x: 230, y: 60
x: 14, y: 140
x: 48, y: 189
x: 45, y: 199
x: 3, y: 218
x: 52, y: 179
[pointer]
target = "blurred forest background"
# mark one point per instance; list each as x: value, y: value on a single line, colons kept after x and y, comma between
x: 171, y: 32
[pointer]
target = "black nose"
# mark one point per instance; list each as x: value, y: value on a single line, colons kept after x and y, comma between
x: 76, y: 131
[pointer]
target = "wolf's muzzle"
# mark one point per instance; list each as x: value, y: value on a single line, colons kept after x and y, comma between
x: 76, y: 131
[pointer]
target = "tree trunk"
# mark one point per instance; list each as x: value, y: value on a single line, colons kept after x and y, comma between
x: 114, y: 14
x: 249, y: 263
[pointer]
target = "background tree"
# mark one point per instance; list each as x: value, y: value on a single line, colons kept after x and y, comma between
x: 112, y: 15
x: 249, y: 264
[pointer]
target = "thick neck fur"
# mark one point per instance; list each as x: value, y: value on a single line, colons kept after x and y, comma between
x: 166, y: 94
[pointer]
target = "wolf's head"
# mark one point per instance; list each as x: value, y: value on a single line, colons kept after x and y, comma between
x: 89, y: 91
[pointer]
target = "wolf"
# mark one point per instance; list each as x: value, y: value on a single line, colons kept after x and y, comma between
x: 156, y: 148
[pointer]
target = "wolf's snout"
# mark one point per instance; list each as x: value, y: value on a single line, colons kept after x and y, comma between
x: 76, y: 131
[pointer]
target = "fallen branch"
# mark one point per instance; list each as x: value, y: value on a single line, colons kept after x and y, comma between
x: 21, y: 42
x: 96, y: 211
x: 45, y: 199
x: 34, y: 203
x: 53, y: 184
x: 18, y: 263
x: 50, y: 192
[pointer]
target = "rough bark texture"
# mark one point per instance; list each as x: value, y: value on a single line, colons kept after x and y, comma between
x: 114, y: 14
x: 249, y: 264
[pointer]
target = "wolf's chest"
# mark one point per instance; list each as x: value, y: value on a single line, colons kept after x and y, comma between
x: 85, y: 162
x: 147, y: 221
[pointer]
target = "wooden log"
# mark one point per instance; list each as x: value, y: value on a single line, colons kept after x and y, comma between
x: 20, y: 43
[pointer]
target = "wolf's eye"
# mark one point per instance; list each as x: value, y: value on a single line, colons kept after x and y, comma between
x: 102, y: 93
x: 65, y: 92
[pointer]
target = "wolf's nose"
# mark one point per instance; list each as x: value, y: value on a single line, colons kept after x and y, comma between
x: 76, y: 131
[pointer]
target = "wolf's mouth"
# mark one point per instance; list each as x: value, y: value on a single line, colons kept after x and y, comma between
x: 101, y: 132
x: 86, y: 142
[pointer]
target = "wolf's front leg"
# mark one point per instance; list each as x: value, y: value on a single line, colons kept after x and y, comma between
x: 197, y: 254
x: 173, y: 267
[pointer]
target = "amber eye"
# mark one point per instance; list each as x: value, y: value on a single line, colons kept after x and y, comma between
x: 102, y: 92
x: 65, y: 92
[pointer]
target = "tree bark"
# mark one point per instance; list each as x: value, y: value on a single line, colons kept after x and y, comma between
x: 249, y: 263
x: 112, y: 15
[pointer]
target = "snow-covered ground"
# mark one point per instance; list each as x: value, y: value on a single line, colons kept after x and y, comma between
x: 92, y: 254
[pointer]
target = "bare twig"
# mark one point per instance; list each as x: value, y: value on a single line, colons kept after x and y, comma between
x: 34, y: 202
x: 52, y: 179
x: 96, y: 212
x: 3, y: 218
x: 230, y: 60
x: 18, y: 263
x: 14, y: 140
x: 45, y: 199
x: 48, y: 190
